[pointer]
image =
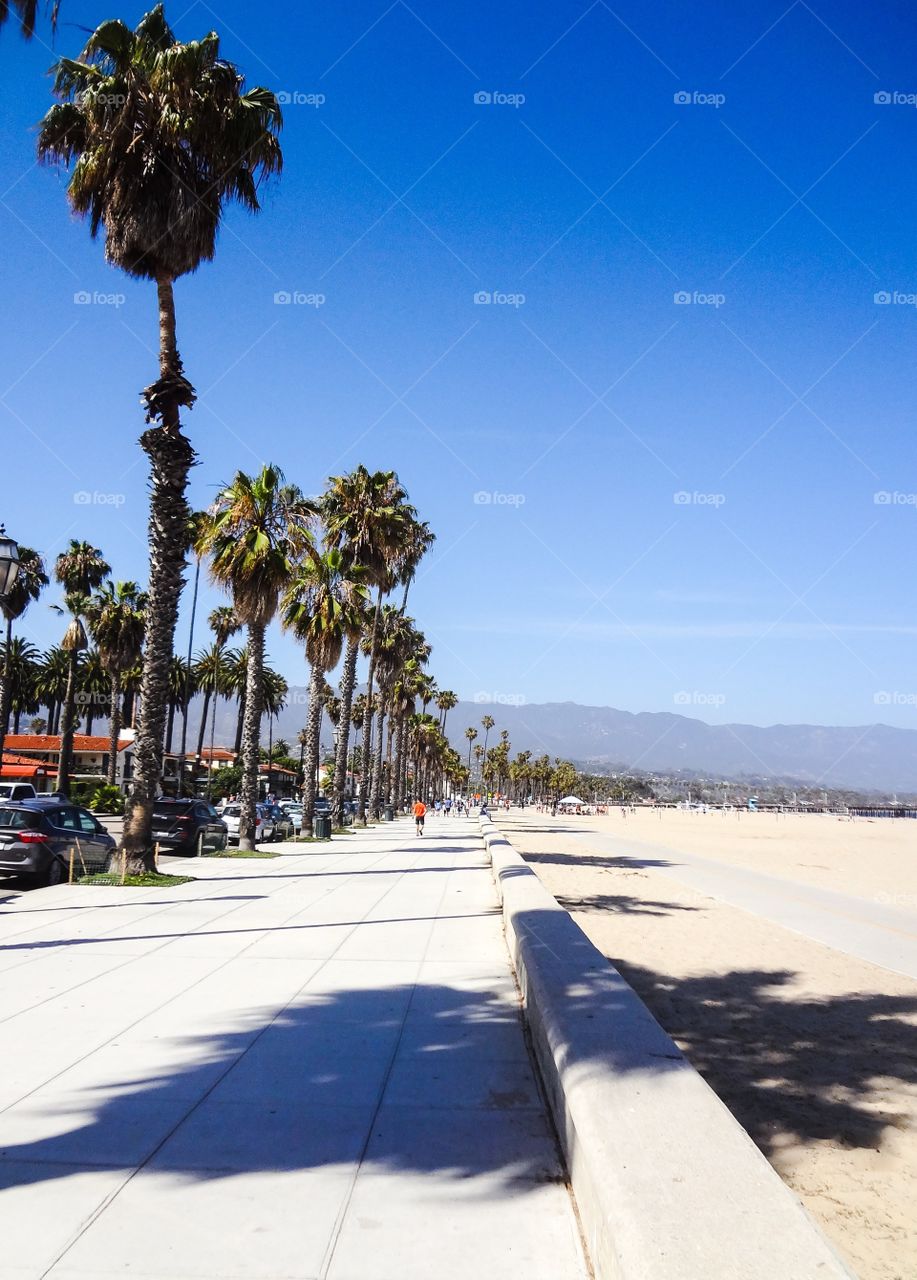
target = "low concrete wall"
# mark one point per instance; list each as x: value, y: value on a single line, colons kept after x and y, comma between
x: 669, y: 1186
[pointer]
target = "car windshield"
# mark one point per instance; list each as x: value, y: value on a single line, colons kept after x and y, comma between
x: 231, y: 811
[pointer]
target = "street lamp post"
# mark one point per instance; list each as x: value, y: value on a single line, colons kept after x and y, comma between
x: 9, y: 571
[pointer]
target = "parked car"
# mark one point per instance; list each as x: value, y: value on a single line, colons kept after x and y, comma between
x: 293, y: 810
x: 264, y: 825
x: 283, y: 823
x: 37, y: 835
x: 17, y: 791
x: 191, y: 827
x: 322, y: 805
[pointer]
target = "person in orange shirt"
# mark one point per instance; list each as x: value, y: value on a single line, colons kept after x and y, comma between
x: 419, y: 811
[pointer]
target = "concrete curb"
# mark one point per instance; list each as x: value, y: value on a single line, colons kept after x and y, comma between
x: 669, y: 1186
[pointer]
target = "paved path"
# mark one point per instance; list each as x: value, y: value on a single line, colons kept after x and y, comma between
x: 300, y: 1068
x: 864, y: 927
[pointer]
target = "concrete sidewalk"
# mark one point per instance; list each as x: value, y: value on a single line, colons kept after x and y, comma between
x: 301, y: 1068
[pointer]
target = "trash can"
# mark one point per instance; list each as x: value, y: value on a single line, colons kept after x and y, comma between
x: 389, y: 813
x: 322, y: 826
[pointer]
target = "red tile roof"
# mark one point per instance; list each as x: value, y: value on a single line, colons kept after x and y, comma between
x: 51, y: 742
x: 14, y: 766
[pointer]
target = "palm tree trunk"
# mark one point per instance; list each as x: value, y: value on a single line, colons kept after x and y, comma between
x: 377, y: 760
x: 251, y: 736
x: 170, y: 724
x: 5, y: 686
x: 200, y: 733
x: 389, y: 777
x: 114, y: 727
x: 171, y: 457
x: 313, y: 729
x: 240, y: 720
x: 348, y: 682
x: 65, y: 759
x: 366, y: 756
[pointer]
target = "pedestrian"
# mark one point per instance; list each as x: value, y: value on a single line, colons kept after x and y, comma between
x: 419, y: 811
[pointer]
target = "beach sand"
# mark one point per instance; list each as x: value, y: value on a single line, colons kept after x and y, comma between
x: 813, y: 1050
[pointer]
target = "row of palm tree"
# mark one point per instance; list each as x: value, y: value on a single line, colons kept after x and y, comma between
x: 159, y: 136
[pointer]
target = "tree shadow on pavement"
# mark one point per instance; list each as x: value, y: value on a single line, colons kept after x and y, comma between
x: 627, y: 862
x: 621, y: 903
x: 302, y: 1090
x: 790, y: 1066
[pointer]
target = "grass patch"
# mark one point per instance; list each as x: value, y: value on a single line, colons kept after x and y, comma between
x: 311, y: 840
x: 149, y: 880
x: 342, y: 831
x: 241, y: 853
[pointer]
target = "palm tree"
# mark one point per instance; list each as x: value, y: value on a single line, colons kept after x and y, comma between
x: 27, y: 587
x: 181, y: 689
x: 446, y: 700
x: 470, y: 733
x: 160, y: 135
x: 21, y: 662
x: 487, y: 723
x: 117, y: 620
x: 366, y: 517
x: 255, y: 533
x: 27, y: 12
x: 51, y: 684
x: 80, y: 570
x: 93, y: 687
x: 223, y: 623
x: 420, y: 538
x: 322, y: 606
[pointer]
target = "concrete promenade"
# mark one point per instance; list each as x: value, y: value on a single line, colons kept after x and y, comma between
x: 306, y: 1068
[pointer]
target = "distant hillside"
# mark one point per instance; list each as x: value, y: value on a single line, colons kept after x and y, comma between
x: 875, y: 756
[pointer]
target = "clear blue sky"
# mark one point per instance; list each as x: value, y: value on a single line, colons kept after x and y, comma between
x: 781, y: 186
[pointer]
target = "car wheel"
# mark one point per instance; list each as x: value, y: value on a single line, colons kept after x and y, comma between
x: 57, y: 873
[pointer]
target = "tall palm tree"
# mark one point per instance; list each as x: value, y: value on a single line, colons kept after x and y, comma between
x: 181, y: 689
x: 223, y: 623
x: 394, y: 647
x: 367, y: 516
x: 470, y: 733
x: 80, y: 570
x: 211, y: 679
x: 255, y: 533
x: 26, y: 12
x: 487, y: 723
x: 159, y: 136
x: 322, y: 606
x: 418, y: 541
x: 93, y: 689
x: 446, y: 700
x: 117, y: 620
x: 51, y: 684
x: 30, y: 580
x: 20, y: 662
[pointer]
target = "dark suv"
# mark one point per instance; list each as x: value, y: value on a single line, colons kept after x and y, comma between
x: 188, y: 826
x: 37, y: 837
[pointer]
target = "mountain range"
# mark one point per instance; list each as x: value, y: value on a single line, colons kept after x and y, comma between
x: 876, y: 757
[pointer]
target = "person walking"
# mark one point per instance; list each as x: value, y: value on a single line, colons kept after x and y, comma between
x: 419, y: 811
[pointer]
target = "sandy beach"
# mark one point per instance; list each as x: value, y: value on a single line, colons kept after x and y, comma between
x: 813, y: 1048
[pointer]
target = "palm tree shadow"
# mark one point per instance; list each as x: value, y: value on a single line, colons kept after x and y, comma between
x: 427, y: 1078
x: 620, y: 903
x: 791, y: 1067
